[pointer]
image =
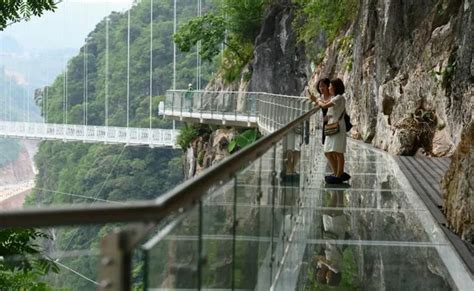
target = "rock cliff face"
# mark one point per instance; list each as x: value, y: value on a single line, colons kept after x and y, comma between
x: 280, y: 64
x: 401, y: 60
x: 409, y: 72
x: 22, y: 169
x: 17, y: 177
x: 458, y: 185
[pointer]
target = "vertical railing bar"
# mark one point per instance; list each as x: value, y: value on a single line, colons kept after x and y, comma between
x: 200, y: 246
x: 200, y: 106
x: 234, y: 232
x: 273, y: 183
x: 182, y: 102
x: 146, y: 265
x: 223, y: 108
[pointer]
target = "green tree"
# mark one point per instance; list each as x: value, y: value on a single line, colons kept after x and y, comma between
x: 16, y: 10
x: 233, y: 23
x: 22, y: 263
x: 327, y: 17
x: 209, y: 29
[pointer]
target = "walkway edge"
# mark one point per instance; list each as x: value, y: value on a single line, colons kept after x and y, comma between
x: 460, y: 249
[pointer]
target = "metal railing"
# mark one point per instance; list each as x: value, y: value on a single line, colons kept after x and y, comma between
x: 265, y: 110
x: 90, y: 133
x: 117, y: 247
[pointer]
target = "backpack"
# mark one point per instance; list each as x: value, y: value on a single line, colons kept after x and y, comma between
x: 347, y: 120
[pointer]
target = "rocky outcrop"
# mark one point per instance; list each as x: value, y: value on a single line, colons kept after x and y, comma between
x: 216, y: 97
x: 22, y: 169
x: 17, y: 177
x: 403, y: 57
x: 207, y: 149
x: 458, y: 187
x: 280, y: 64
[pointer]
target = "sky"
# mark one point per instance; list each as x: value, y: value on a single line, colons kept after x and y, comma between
x: 67, y: 27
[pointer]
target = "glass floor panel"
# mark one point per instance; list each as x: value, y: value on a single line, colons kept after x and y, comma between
x: 361, y: 266
x: 265, y: 231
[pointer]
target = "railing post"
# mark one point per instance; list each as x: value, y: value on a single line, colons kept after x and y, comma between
x: 236, y: 104
x: 248, y: 100
x: 146, y: 264
x: 212, y: 106
x: 182, y: 102
x: 150, y: 136
x: 274, y: 187
x: 115, y: 263
x: 223, y: 109
x: 172, y: 102
x: 274, y: 112
x: 200, y: 106
x: 116, y: 257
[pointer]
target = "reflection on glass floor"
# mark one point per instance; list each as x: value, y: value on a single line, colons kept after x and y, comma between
x: 265, y: 231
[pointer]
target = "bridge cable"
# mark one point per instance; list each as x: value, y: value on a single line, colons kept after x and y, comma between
x: 66, y: 10
x: 87, y: 70
x: 77, y: 273
x: 80, y: 196
x: 84, y: 74
x: 64, y: 74
x: 25, y: 88
x: 174, y: 56
x: 107, y: 20
x: 27, y: 93
x: 151, y: 62
x: 4, y: 84
x: 128, y: 67
x: 199, y: 78
x: 10, y: 98
x: 198, y: 49
x: 45, y: 92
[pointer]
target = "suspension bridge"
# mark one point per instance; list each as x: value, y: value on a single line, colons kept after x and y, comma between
x: 241, y: 109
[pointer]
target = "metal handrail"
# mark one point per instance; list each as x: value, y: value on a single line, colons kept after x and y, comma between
x: 180, y: 198
x: 240, y: 92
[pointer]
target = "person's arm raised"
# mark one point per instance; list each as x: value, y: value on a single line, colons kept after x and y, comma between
x: 310, y: 95
x: 325, y: 104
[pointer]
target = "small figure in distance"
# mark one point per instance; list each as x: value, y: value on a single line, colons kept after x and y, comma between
x: 188, y: 97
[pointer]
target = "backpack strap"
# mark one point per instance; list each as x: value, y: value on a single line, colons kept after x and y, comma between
x: 342, y: 114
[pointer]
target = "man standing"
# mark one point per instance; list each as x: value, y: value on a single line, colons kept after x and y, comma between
x: 188, y: 97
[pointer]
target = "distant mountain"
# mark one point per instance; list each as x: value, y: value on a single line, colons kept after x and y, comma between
x: 9, y: 44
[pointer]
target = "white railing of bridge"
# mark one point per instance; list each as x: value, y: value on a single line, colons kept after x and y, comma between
x: 268, y: 111
x: 70, y: 132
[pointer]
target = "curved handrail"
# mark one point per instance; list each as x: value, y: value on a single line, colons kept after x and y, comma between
x: 182, y: 197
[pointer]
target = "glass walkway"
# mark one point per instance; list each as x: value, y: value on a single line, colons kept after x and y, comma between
x: 264, y: 219
x: 264, y: 230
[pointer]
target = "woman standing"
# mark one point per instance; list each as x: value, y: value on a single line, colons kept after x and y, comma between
x: 335, y: 145
x: 323, y: 89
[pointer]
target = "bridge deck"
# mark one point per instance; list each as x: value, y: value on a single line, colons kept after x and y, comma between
x: 90, y: 133
x: 230, y: 119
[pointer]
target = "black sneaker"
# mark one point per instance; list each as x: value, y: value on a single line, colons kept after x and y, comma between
x: 345, y: 177
x: 333, y: 180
